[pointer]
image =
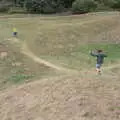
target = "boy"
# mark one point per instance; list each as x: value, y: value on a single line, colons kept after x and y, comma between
x: 14, y: 32
x: 100, y: 59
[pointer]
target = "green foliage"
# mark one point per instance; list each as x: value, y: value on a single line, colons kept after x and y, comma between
x: 83, y: 6
x: 112, y: 50
x: 4, y: 9
x: 109, y: 3
x: 54, y: 6
x: 43, y: 6
x: 103, y: 7
x: 27, y: 4
x: 116, y: 4
x: 19, y: 10
x: 18, y: 78
x: 4, y: 6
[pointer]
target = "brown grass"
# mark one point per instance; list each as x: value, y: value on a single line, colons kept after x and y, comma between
x: 72, y: 95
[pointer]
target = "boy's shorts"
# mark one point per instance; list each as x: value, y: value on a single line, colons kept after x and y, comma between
x: 14, y: 33
x: 98, y: 66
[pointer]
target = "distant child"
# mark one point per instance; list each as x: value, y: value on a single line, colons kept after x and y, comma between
x: 100, y: 59
x: 15, y: 32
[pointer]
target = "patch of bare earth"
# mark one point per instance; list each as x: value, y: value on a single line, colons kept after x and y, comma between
x: 64, y: 98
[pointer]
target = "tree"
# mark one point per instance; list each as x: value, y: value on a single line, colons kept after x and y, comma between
x: 67, y: 3
x: 83, y: 6
x: 116, y: 4
x: 43, y: 6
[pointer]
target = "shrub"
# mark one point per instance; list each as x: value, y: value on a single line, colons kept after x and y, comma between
x: 109, y: 3
x: 83, y: 6
x: 19, y: 10
x: 103, y: 7
x: 3, y: 9
x: 116, y: 4
x: 5, y: 5
x: 43, y: 6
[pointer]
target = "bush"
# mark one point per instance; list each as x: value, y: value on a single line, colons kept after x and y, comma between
x: 3, y: 9
x: 116, y: 4
x: 48, y: 9
x: 5, y: 5
x: 109, y: 3
x: 19, y: 10
x: 103, y: 7
x: 83, y: 6
x: 43, y: 6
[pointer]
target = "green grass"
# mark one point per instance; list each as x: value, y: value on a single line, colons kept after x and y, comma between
x: 80, y: 57
x: 112, y: 50
x: 19, y: 78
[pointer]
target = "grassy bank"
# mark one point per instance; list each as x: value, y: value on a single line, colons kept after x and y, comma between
x: 62, y: 40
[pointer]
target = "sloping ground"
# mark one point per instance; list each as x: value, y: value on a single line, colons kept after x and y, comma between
x: 80, y: 95
x: 27, y: 52
x: 58, y: 40
x: 17, y: 68
x: 84, y: 97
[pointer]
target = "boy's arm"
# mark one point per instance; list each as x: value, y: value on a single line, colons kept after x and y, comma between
x: 93, y: 54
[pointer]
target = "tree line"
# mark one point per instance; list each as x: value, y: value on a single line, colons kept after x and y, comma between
x: 56, y: 6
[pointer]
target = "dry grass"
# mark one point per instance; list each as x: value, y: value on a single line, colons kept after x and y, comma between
x: 84, y: 97
x: 65, y: 42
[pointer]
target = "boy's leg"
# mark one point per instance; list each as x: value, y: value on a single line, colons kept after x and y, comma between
x: 13, y: 34
x: 98, y: 66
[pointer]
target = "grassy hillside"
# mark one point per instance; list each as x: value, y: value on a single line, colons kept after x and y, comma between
x: 62, y: 40
x: 48, y: 72
x: 66, y: 41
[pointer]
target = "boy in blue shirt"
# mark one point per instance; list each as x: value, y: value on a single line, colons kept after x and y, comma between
x: 100, y: 59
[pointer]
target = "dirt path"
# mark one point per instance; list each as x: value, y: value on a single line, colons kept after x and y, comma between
x: 28, y: 53
x: 25, y: 50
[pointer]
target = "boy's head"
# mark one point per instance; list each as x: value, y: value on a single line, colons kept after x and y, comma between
x: 99, y: 51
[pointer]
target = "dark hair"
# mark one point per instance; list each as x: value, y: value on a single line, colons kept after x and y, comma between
x: 99, y: 51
